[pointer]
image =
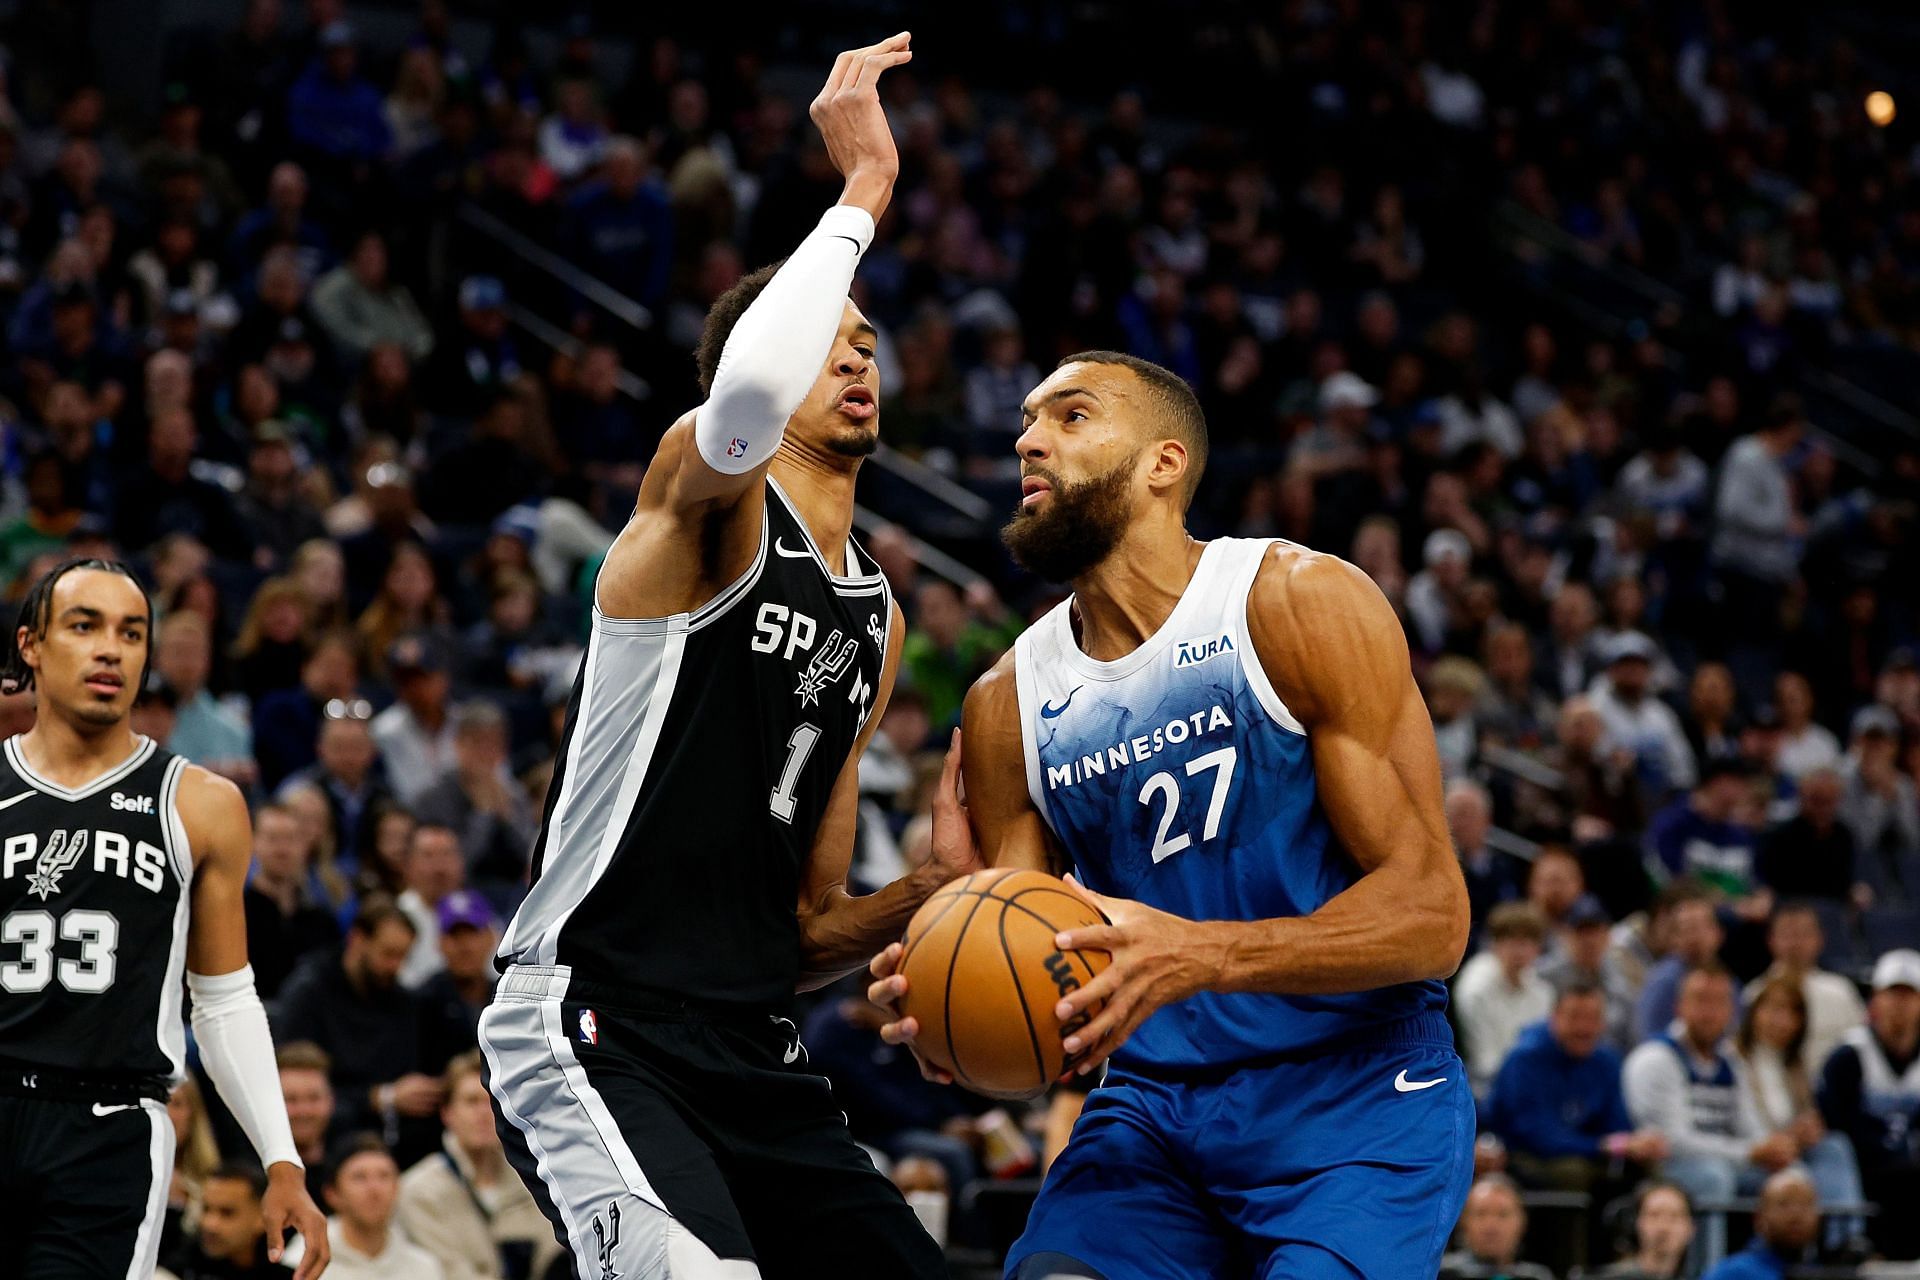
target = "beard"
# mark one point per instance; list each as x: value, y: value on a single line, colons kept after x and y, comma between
x: 1074, y: 531
x: 854, y: 442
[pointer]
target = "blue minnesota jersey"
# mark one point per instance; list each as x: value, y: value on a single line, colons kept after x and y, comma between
x: 1175, y: 776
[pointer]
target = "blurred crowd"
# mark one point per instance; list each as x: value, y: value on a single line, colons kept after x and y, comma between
x: 275, y: 337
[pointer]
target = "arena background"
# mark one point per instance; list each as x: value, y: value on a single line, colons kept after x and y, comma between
x: 1587, y: 329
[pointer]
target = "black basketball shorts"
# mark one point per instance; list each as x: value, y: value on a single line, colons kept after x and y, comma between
x: 664, y: 1144
x: 85, y: 1186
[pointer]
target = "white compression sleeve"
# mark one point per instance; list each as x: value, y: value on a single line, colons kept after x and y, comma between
x: 774, y: 354
x: 230, y: 1025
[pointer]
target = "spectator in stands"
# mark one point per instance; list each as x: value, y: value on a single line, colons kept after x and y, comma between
x: 1805, y: 745
x: 1568, y: 655
x: 286, y: 722
x: 281, y: 223
x: 956, y: 636
x: 415, y: 735
x: 346, y: 771
x: 231, y: 1243
x: 1492, y: 877
x: 1757, y: 528
x: 458, y: 994
x: 1703, y: 836
x: 333, y: 112
x: 1870, y: 1091
x: 1662, y: 1234
x: 1880, y: 805
x: 434, y: 868
x: 1554, y: 883
x: 1498, y: 992
x: 1696, y: 938
x: 1811, y: 855
x: 1712, y: 728
x: 473, y: 364
x: 1784, y: 1228
x: 284, y: 919
x: 1639, y: 721
x: 622, y: 226
x: 1556, y: 1101
x: 1832, y: 1006
x: 375, y: 1031
x: 1512, y: 708
x: 195, y: 1156
x: 275, y: 507
x: 1775, y: 1077
x: 1683, y: 1084
x: 464, y: 1204
x: 363, y: 1191
x: 1492, y: 1228
x: 361, y: 306
x: 479, y: 799
x: 1585, y: 935
x: 166, y: 496
x: 306, y: 1083
x: 204, y: 731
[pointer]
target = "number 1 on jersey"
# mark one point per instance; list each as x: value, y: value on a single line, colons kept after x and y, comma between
x: 799, y: 747
x: 1164, y: 783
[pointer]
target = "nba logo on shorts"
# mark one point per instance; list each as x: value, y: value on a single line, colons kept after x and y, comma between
x: 736, y: 448
x: 589, y: 1027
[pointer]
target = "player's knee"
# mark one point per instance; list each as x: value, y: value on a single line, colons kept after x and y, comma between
x: 1055, y: 1266
x: 689, y: 1258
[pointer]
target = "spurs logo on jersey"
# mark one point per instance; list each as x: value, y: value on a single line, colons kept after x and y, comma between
x: 55, y: 861
x: 52, y: 859
x: 830, y: 662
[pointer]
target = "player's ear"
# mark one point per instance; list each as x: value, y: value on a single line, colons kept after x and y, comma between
x: 1168, y: 470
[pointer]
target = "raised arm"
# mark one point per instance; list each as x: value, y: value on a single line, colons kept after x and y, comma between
x: 838, y: 931
x: 696, y: 522
x: 1334, y: 653
x: 229, y: 1023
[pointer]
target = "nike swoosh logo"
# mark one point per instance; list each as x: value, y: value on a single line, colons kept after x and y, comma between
x: 1050, y: 712
x: 102, y: 1109
x: 1403, y: 1085
x: 791, y: 555
x: 792, y: 1054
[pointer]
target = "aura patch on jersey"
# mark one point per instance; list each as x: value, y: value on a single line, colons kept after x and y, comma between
x: 1197, y: 650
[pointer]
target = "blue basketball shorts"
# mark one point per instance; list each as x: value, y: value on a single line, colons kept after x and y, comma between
x: 1354, y: 1162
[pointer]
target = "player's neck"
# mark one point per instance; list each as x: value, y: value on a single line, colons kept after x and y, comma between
x: 61, y: 752
x: 1124, y: 599
x: 821, y: 488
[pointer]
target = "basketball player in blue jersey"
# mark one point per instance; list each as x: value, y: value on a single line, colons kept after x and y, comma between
x: 1225, y: 743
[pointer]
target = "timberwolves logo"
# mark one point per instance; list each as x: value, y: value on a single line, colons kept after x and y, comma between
x: 606, y: 1232
x: 831, y: 661
x: 59, y: 857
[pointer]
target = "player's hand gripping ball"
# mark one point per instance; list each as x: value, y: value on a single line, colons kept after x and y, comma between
x: 983, y: 977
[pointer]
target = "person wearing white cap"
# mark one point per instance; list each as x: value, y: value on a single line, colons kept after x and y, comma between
x: 1447, y: 555
x: 1870, y: 1091
x: 1637, y: 720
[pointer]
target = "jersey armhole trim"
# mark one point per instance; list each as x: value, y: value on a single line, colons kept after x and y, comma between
x: 1250, y: 663
x: 173, y: 829
x: 1023, y: 689
x: 693, y: 620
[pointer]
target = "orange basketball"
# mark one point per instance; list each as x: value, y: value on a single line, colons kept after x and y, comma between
x: 983, y: 976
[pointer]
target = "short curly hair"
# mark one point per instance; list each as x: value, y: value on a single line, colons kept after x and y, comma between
x: 722, y: 316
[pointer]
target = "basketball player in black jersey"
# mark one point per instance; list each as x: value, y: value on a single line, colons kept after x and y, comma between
x: 691, y: 869
x: 121, y: 871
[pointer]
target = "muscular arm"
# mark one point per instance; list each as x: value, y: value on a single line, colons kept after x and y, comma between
x: 838, y: 931
x: 1336, y: 656
x: 1010, y: 831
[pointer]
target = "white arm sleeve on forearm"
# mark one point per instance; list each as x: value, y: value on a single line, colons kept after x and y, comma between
x: 237, y: 1049
x: 773, y: 356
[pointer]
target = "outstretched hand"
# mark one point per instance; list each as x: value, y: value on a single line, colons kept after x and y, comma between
x: 854, y: 124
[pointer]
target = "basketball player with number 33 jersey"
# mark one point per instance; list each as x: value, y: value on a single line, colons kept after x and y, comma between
x: 121, y: 874
x: 1225, y: 742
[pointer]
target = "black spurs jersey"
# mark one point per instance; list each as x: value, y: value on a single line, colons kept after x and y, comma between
x: 697, y: 760
x: 93, y: 918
